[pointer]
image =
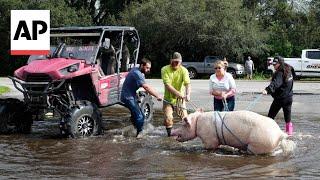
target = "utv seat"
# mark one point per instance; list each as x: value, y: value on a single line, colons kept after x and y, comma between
x: 108, y: 61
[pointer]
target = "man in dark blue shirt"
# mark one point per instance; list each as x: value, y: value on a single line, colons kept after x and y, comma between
x: 134, y: 80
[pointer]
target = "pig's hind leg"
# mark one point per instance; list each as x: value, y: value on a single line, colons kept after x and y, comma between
x: 256, y: 149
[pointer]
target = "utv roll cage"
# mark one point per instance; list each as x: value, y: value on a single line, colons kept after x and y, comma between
x: 104, y: 39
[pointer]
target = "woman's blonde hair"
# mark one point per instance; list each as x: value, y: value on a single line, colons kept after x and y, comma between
x: 219, y: 63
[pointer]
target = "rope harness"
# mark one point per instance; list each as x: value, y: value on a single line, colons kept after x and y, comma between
x: 217, y: 116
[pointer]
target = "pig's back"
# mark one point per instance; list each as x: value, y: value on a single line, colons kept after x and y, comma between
x: 252, y: 127
x: 249, y: 118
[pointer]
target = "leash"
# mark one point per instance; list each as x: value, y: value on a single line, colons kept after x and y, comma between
x: 179, y: 107
x: 225, y: 105
x: 180, y: 103
x: 194, y: 105
x: 223, y: 124
x: 174, y: 105
x: 254, y: 102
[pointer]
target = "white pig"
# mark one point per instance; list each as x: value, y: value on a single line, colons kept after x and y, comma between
x: 244, y: 130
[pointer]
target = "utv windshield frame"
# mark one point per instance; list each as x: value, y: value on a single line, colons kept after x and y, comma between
x: 122, y: 33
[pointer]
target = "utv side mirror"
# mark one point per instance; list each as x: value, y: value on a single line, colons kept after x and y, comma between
x: 106, y: 43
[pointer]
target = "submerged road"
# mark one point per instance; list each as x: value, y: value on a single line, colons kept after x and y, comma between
x: 306, y: 95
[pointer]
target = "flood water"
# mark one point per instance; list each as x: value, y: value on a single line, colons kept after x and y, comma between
x: 119, y: 155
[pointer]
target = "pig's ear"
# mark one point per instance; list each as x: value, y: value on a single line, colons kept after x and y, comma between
x: 200, y: 110
x: 187, y: 121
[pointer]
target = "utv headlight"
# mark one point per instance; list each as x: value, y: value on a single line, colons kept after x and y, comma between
x: 70, y: 69
x: 73, y: 68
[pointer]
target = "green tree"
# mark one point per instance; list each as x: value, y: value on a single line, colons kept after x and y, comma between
x: 287, y: 25
x: 61, y: 15
x: 195, y: 28
x: 102, y: 12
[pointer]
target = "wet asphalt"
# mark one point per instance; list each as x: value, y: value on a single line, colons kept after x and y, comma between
x: 248, y: 97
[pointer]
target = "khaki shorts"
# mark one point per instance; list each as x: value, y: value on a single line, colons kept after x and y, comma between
x: 168, y: 113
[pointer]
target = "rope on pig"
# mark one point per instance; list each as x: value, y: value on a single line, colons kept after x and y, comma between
x: 225, y: 105
x: 224, y: 124
x: 180, y: 107
x: 254, y: 102
x: 194, y: 105
x: 215, y: 125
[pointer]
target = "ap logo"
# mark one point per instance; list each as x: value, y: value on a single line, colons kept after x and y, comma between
x: 30, y: 32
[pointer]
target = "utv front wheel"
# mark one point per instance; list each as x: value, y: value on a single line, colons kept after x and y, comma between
x: 84, y: 121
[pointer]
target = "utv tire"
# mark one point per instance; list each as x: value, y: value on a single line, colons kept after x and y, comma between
x: 146, y: 106
x: 84, y: 121
x: 14, y: 117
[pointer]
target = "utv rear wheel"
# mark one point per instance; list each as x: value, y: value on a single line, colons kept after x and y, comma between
x: 14, y: 117
x: 84, y: 121
x: 146, y: 106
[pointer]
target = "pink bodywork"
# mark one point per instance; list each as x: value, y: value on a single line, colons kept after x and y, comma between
x: 258, y: 134
x: 52, y: 67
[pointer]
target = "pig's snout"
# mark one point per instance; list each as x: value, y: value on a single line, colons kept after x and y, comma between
x: 174, y: 132
x: 176, y: 135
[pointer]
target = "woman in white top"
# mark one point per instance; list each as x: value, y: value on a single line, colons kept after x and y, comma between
x: 222, y: 87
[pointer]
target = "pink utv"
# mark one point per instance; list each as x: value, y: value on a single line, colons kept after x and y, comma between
x: 84, y: 71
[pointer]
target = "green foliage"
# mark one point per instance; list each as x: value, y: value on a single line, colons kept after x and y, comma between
x: 257, y: 75
x: 61, y: 15
x: 261, y: 76
x: 236, y: 29
x: 194, y: 28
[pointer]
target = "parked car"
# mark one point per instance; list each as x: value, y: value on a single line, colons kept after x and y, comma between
x: 207, y: 67
x: 84, y: 71
x: 308, y: 65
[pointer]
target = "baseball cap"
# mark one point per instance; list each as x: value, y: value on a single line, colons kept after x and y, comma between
x: 176, y: 56
x: 277, y: 59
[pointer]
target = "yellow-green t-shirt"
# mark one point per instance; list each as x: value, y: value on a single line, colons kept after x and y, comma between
x: 176, y: 78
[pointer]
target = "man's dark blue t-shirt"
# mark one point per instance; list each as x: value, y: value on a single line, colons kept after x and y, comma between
x: 134, y: 80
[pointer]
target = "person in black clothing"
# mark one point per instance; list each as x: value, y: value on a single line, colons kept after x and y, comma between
x: 280, y: 89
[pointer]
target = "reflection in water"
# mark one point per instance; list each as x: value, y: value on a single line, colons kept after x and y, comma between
x: 118, y: 154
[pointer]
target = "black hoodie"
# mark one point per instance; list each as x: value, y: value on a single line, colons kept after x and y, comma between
x: 279, y: 88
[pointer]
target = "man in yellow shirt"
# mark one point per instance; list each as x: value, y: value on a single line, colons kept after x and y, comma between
x: 177, y: 85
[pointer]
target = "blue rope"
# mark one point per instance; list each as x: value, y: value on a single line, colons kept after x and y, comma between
x: 254, y: 102
x: 223, y: 124
x: 225, y: 105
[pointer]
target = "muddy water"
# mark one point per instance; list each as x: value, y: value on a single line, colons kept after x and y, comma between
x: 118, y: 155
